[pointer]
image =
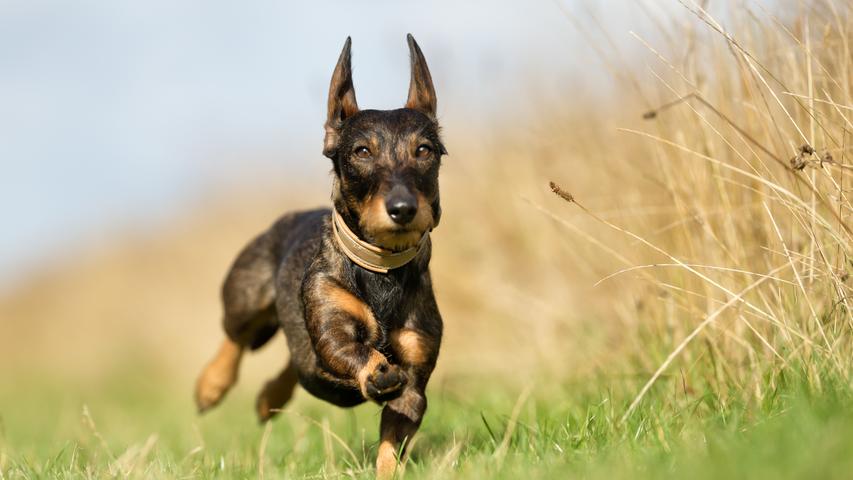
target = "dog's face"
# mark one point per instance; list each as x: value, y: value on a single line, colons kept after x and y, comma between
x: 386, y: 162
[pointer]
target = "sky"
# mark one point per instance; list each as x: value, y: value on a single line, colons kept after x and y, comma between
x: 114, y: 113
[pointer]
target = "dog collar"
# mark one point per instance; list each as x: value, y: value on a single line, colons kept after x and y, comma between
x: 369, y: 256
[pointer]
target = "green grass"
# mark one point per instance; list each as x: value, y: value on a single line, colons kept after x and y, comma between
x: 560, y: 431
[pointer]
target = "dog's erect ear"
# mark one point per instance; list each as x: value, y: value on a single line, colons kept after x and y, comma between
x: 342, y: 104
x: 421, y: 91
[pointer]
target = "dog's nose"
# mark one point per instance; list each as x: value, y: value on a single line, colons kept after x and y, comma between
x: 401, y: 205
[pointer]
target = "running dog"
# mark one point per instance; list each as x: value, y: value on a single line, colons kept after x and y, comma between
x: 350, y: 286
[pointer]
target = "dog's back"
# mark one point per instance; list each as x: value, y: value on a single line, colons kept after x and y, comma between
x: 249, y: 290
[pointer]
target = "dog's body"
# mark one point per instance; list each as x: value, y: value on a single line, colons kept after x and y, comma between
x: 349, y: 286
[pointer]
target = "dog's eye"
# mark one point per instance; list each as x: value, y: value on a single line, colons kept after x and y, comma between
x: 362, y: 152
x: 423, y: 151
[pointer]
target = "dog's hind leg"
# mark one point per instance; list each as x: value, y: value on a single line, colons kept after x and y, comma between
x: 276, y: 393
x: 250, y: 320
x: 218, y: 376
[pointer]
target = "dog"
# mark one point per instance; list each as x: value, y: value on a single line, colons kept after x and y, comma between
x: 350, y: 286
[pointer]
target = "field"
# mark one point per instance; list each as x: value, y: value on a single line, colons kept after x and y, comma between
x: 656, y: 284
x: 139, y: 430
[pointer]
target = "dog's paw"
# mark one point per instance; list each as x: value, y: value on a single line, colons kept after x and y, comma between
x: 385, y: 382
x: 212, y: 385
x: 275, y: 394
x: 218, y: 376
x: 209, y: 391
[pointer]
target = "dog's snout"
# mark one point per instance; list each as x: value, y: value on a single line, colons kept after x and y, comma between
x: 402, y: 211
x: 401, y: 205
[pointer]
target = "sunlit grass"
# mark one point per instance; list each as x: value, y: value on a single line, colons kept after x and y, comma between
x: 127, y: 429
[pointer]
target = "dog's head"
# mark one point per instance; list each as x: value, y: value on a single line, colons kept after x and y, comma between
x: 385, y: 162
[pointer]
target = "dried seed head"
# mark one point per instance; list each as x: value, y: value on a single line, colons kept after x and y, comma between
x: 561, y: 193
x: 800, y: 161
x: 797, y: 162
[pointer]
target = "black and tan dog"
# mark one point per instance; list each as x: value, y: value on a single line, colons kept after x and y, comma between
x: 349, y: 286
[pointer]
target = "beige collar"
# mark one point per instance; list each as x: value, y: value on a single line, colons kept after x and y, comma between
x: 369, y: 256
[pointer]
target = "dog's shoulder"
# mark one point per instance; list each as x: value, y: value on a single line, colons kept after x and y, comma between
x: 300, y: 222
x: 297, y: 238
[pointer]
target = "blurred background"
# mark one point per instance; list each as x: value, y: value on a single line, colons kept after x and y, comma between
x: 143, y: 145
x: 116, y: 116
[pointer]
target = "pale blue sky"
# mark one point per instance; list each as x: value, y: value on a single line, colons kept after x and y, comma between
x: 115, y: 113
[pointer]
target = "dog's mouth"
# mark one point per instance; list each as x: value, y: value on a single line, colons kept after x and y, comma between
x: 397, y: 239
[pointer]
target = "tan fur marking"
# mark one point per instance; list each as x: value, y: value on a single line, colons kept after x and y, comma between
x: 219, y: 375
x: 410, y: 346
x: 376, y: 359
x: 374, y: 218
x: 382, y: 230
x: 386, y: 460
x: 423, y: 219
x: 349, y: 303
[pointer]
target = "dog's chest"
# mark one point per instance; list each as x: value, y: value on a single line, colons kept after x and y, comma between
x: 386, y: 296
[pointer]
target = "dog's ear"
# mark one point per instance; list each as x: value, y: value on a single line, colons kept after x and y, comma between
x: 421, y: 91
x: 342, y: 104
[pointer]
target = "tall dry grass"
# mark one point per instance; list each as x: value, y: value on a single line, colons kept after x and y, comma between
x: 702, y: 222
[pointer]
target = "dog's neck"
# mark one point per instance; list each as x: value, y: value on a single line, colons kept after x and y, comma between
x: 368, y: 256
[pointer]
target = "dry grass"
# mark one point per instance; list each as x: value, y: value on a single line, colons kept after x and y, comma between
x: 724, y: 212
x: 746, y: 247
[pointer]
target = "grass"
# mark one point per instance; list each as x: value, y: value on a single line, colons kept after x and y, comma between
x: 138, y: 430
x: 681, y: 307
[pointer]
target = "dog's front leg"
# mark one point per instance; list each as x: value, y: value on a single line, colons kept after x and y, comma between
x: 401, y: 418
x: 417, y: 351
x: 343, y: 330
